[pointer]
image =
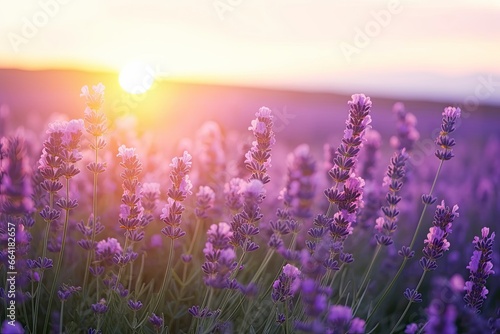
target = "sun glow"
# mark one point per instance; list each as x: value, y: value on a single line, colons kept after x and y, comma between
x: 136, y: 77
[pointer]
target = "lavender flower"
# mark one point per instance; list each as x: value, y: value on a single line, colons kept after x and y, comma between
x: 15, y: 186
x: 340, y: 320
x: 480, y: 267
x: 348, y: 201
x: 210, y: 153
x: 135, y: 305
x: 436, y: 243
x: 441, y: 318
x: 407, y: 133
x: 411, y: 328
x: 220, y: 256
x: 100, y: 308
x: 357, y: 123
x: 287, y: 284
x: 233, y: 193
x: 371, y: 154
x: 66, y: 291
x: 387, y: 224
x: 107, y: 249
x: 205, y: 198
x: 300, y: 182
x: 258, y: 158
x: 450, y: 117
x: 131, y: 210
x: 244, y: 224
x: 181, y: 188
x: 199, y: 312
x: 150, y: 195
x: 94, y: 98
x: 156, y: 321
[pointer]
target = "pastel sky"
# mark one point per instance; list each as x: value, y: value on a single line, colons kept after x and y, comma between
x: 422, y: 49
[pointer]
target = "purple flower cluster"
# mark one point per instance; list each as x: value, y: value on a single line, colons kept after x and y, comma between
x: 181, y: 188
x: 244, y: 224
x: 281, y: 227
x: 210, y: 154
x: 348, y: 197
x: 258, y: 158
x: 65, y: 291
x: 205, y: 198
x: 436, y: 243
x: 131, y: 210
x: 219, y: 256
x: 480, y: 267
x: 407, y: 133
x: 387, y: 224
x: 450, y: 117
x: 346, y: 154
x: 370, y: 154
x: 15, y: 177
x: 341, y: 320
x: 348, y: 200
x: 301, y: 182
x: 287, y: 284
x: 107, y: 249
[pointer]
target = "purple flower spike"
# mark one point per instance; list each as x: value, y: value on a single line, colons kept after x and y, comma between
x: 287, y: 284
x: 258, y: 158
x: 480, y: 267
x: 181, y: 188
x: 450, y: 117
x: 135, y: 305
x: 156, y: 321
x: 436, y: 243
x: 100, y: 308
x: 387, y: 225
x: 413, y: 295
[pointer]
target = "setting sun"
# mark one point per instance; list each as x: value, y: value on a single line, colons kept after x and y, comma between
x: 136, y: 77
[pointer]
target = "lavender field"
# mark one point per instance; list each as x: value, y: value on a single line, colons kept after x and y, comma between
x: 284, y: 213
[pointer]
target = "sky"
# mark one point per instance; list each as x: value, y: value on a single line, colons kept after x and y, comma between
x: 448, y: 49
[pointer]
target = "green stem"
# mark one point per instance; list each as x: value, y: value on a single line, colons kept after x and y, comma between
x: 90, y: 254
x: 263, y: 265
x: 44, y: 254
x: 412, y: 243
x: 286, y: 317
x: 387, y: 289
x: 166, y: 277
x: 121, y: 267
x: 59, y: 260
x: 425, y: 205
x: 409, y: 303
x: 61, y: 318
x: 375, y: 255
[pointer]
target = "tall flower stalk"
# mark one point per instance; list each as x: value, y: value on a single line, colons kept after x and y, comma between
x: 95, y: 126
x: 69, y: 154
x: 131, y: 210
x: 386, y: 225
x: 435, y: 246
x: 480, y: 268
x: 172, y: 212
x: 444, y: 152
